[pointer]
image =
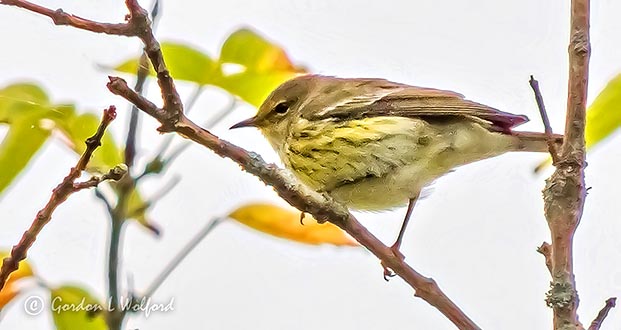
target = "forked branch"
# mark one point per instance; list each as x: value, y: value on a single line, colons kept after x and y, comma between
x: 60, y: 194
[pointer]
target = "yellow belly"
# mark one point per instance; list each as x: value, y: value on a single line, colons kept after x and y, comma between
x: 381, y: 162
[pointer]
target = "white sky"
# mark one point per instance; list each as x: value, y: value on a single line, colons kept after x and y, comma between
x: 476, y: 234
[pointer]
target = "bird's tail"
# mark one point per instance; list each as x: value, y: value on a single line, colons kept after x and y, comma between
x: 536, y: 141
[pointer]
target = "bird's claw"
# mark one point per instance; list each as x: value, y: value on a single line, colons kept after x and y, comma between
x: 388, y: 273
x: 302, y: 216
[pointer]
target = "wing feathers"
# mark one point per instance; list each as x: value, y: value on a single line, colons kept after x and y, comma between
x: 384, y: 98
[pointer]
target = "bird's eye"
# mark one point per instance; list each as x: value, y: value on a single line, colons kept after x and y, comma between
x: 281, y: 107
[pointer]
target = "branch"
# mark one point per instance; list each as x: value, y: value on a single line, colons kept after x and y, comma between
x: 130, y: 140
x: 59, y: 195
x: 114, y: 174
x: 299, y: 196
x: 601, y: 316
x: 59, y: 17
x: 565, y: 193
x: 322, y: 207
x: 534, y: 84
x: 141, y: 77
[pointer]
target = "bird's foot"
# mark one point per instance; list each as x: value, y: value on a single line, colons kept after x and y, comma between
x: 388, y: 273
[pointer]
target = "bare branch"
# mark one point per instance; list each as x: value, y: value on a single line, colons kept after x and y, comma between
x: 59, y: 17
x: 601, y: 316
x: 534, y: 84
x: 59, y: 195
x: 565, y: 192
x: 114, y: 174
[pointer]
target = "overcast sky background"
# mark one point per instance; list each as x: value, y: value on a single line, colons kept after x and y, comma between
x: 476, y: 234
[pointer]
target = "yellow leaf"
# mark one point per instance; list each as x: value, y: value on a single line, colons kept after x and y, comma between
x: 256, y: 53
x: 603, y: 116
x: 285, y: 223
x: 10, y: 289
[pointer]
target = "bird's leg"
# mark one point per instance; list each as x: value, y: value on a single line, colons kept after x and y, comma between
x: 397, y: 245
x: 408, y: 214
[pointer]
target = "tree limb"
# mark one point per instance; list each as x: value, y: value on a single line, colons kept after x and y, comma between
x: 565, y: 193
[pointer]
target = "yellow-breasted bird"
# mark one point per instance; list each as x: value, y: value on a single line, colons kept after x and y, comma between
x: 373, y: 144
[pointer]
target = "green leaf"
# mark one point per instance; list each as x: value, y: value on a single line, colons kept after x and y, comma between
x: 17, y: 97
x: 251, y: 50
x: 254, y: 87
x: 263, y: 65
x: 21, y: 143
x: 183, y: 62
x: 74, y: 308
x: 31, y: 118
x: 604, y: 114
x: 23, y: 107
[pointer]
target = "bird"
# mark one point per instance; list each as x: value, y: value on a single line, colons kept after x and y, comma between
x: 373, y: 144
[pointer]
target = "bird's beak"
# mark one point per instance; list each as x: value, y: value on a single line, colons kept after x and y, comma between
x: 245, y: 123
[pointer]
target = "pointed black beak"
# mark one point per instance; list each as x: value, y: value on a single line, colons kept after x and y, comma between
x: 244, y: 123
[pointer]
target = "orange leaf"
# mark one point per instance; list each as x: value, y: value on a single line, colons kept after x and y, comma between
x: 10, y: 290
x: 285, y: 223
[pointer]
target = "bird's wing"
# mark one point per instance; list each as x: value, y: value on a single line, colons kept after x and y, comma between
x: 384, y: 98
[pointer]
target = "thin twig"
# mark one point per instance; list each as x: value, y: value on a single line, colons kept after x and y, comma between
x: 189, y: 104
x: 601, y: 316
x: 59, y: 195
x: 565, y: 192
x: 534, y: 84
x: 114, y: 174
x: 181, y: 255
x: 130, y: 141
x: 115, y: 315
